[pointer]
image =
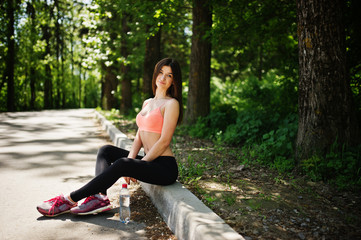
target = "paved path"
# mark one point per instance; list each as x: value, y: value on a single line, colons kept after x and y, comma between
x: 43, y: 154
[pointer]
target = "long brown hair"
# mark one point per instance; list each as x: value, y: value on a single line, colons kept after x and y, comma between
x: 175, y: 90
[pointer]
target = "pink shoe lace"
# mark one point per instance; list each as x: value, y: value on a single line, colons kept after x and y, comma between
x: 58, y: 201
x: 90, y: 198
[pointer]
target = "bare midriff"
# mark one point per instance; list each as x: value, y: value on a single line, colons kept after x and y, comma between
x: 149, y: 139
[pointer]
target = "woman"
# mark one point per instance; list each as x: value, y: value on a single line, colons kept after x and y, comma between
x: 156, y: 124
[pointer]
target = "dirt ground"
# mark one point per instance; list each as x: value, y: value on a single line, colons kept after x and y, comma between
x: 143, y: 210
x: 259, y: 203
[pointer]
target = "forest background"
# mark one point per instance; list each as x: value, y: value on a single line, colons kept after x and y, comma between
x: 240, y: 62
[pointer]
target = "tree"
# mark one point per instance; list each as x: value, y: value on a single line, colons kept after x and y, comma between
x: 152, y: 56
x: 353, y: 46
x: 32, y: 72
x: 111, y: 25
x: 48, y: 82
x: 198, y: 104
x: 255, y: 36
x: 326, y: 111
x: 126, y: 103
x: 110, y: 84
x: 10, y: 56
x: 152, y: 42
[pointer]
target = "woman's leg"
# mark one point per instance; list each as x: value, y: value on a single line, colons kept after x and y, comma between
x: 161, y: 171
x: 106, y: 156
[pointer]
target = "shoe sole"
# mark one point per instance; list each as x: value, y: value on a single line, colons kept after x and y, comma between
x: 46, y: 215
x: 96, y: 211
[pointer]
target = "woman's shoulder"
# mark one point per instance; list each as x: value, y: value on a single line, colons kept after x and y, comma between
x: 172, y: 103
x: 146, y: 101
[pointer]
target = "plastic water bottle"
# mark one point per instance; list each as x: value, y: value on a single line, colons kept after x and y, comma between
x: 124, y: 202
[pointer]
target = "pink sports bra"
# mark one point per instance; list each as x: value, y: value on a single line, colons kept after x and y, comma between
x: 151, y: 122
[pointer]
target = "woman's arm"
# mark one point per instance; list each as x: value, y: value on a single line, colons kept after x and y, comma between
x: 171, y: 113
x: 136, y: 146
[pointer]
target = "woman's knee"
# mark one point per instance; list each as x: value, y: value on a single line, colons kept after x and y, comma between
x: 104, y: 155
x: 104, y: 150
x: 123, y: 161
x: 125, y: 164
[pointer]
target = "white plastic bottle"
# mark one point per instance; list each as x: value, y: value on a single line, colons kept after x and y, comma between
x: 124, y: 202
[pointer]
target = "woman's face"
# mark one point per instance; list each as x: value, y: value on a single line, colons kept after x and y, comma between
x: 165, y: 78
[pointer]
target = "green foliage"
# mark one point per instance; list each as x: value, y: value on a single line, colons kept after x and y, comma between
x: 262, y: 118
x: 213, y: 124
x: 312, y: 167
x: 276, y: 147
x: 247, y: 129
x: 273, y: 93
x: 244, y: 112
x: 230, y: 198
x: 210, y: 199
x: 115, y: 115
x: 255, y: 34
x: 341, y: 168
x: 191, y: 171
x: 353, y: 38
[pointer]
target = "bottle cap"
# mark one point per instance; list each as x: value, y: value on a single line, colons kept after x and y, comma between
x: 124, y: 185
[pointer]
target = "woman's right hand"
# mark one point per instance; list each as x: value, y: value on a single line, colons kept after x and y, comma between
x: 127, y: 180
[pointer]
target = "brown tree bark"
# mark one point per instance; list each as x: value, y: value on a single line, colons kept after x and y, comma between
x: 109, y: 88
x: 152, y: 56
x: 126, y: 101
x: 48, y: 85
x: 32, y: 72
x: 326, y: 110
x: 57, y: 51
x: 10, y: 57
x: 198, y: 104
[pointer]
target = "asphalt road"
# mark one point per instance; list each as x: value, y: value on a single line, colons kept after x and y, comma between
x: 43, y: 154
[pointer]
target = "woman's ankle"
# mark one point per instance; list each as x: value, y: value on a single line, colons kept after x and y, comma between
x: 67, y: 197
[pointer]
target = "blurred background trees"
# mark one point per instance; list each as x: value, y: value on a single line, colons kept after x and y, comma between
x: 239, y: 59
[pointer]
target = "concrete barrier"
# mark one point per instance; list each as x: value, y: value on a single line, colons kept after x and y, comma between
x: 184, y: 213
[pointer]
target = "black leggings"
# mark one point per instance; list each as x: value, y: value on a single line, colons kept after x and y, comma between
x: 112, y: 163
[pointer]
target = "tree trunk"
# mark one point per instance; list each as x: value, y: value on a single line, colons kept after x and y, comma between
x: 110, y: 87
x: 32, y: 72
x: 48, y: 86
x: 57, y: 50
x: 198, y: 104
x: 126, y: 102
x: 63, y: 90
x: 10, y: 62
x: 152, y: 56
x: 32, y: 87
x: 326, y: 110
x: 79, y: 89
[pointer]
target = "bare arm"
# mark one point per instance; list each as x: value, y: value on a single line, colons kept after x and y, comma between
x: 171, y: 114
x: 136, y: 146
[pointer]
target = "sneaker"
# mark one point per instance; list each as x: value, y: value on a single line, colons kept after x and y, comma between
x: 92, y: 205
x: 55, y: 206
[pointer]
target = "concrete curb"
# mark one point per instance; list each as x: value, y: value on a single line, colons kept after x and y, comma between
x: 183, y: 212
